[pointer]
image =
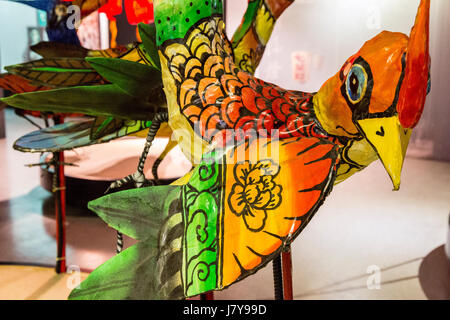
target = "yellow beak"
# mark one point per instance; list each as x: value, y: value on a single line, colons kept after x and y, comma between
x: 390, y: 141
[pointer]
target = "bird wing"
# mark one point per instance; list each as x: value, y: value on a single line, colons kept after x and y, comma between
x: 241, y: 209
x: 18, y: 84
x: 57, y: 72
x: 150, y: 269
x: 134, y: 76
x: 49, y: 49
x: 99, y: 100
x: 236, y: 212
x: 75, y: 134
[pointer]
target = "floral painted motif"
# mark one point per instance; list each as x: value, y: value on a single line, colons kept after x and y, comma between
x: 255, y: 192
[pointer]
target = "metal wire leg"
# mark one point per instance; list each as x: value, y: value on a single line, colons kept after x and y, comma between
x: 155, y: 170
x: 119, y: 246
x: 138, y: 178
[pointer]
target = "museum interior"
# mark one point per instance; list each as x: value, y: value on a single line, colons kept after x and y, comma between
x: 178, y: 149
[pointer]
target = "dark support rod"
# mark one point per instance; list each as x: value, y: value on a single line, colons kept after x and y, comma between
x: 277, y: 278
x: 207, y: 296
x: 286, y: 260
x: 59, y: 193
x: 138, y: 177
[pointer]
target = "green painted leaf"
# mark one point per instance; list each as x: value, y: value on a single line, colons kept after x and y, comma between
x: 150, y: 269
x: 73, y: 134
x: 59, y: 49
x: 138, y: 213
x: 137, y: 79
x: 247, y: 21
x: 104, y: 125
x: 102, y: 100
x: 148, y: 36
x: 57, y: 72
x: 128, y: 275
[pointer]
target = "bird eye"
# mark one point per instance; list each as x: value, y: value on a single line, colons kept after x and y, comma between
x: 356, y: 83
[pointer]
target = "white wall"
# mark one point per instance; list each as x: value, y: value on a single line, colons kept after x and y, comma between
x: 14, y: 20
x: 330, y: 31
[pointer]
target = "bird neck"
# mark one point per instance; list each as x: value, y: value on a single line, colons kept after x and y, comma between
x: 332, y: 112
x: 302, y: 120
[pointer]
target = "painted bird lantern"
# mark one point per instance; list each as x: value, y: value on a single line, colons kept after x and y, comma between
x: 265, y: 157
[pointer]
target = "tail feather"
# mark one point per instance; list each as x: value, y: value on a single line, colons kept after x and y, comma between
x: 150, y: 269
x: 128, y: 275
x: 170, y: 257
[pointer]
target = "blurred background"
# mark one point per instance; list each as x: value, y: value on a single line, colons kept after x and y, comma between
x: 366, y: 242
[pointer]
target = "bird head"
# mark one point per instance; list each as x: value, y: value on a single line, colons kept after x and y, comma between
x: 380, y: 92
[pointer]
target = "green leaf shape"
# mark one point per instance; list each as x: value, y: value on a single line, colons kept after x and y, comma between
x: 130, y: 275
x: 103, y: 126
x: 138, y: 213
x: 57, y: 72
x: 148, y: 37
x: 136, y: 79
x: 73, y: 134
x: 149, y: 269
x: 247, y: 21
x: 58, y: 49
x: 102, y: 100
x: 17, y: 84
